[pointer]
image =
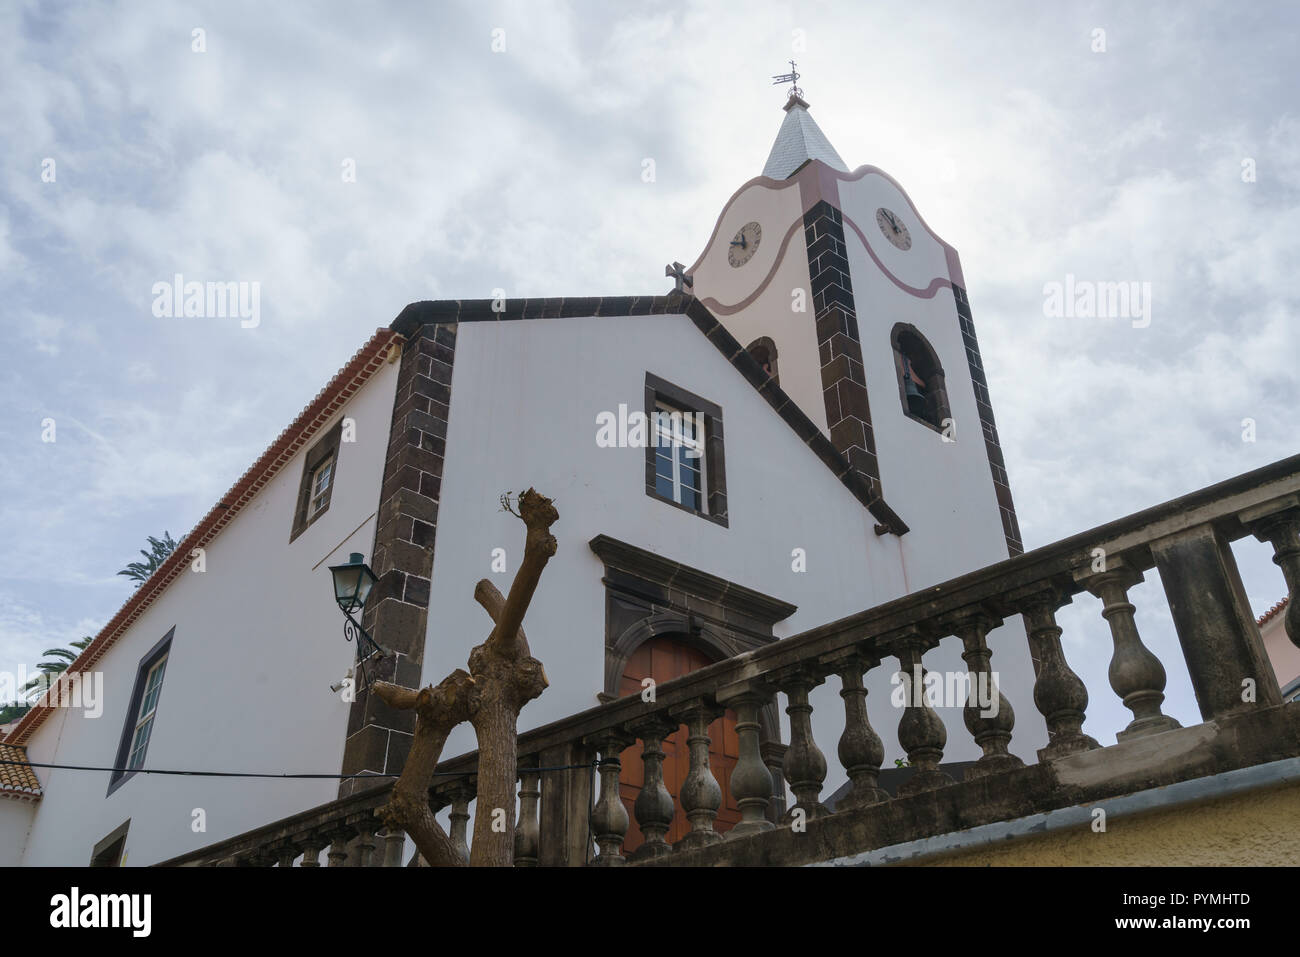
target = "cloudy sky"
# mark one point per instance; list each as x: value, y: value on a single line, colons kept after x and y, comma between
x: 1030, y: 149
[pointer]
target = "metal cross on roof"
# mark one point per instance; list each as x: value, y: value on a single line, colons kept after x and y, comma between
x: 680, y: 276
x: 792, y: 78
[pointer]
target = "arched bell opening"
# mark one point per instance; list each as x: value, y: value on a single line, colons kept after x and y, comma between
x: 920, y: 378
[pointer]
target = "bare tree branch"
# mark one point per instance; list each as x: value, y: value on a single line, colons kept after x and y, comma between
x: 438, y: 710
x: 395, y: 696
x: 490, y: 597
x: 408, y: 806
x: 539, y: 514
x: 502, y: 678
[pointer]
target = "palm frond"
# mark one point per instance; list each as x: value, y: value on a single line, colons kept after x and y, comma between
x: 159, y: 550
x: 64, y: 657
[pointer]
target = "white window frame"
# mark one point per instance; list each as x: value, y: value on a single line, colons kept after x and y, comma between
x: 144, y: 720
x: 320, y: 495
x: 676, y: 416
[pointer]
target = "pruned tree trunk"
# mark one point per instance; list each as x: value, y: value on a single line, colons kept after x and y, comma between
x: 502, y: 678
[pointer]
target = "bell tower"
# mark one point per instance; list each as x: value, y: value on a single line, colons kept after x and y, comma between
x: 837, y: 285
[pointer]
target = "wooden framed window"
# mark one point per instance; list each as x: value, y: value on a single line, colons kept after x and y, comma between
x: 109, y: 851
x: 684, y: 458
x: 319, y: 476
x: 142, y: 715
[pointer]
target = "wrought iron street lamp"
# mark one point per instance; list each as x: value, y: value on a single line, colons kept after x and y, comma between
x: 352, y: 584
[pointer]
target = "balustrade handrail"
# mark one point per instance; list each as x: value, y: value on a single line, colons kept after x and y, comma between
x: 249, y: 842
x: 999, y: 590
x: 1051, y: 565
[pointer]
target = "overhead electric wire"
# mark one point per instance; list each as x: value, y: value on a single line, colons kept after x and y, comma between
x: 257, y: 774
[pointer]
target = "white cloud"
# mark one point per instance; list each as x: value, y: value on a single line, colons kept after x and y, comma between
x: 1032, y: 155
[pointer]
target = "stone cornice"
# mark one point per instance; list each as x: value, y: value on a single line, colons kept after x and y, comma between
x: 670, y: 574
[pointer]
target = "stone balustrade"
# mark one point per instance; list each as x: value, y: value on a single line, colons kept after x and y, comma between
x: 570, y: 811
x: 346, y: 830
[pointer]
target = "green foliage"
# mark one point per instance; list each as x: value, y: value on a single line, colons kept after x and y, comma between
x: 159, y: 549
x: 12, y: 712
x: 57, y: 662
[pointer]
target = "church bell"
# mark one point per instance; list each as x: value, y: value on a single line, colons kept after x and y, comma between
x: 915, y: 397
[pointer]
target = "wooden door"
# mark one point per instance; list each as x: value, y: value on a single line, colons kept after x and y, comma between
x: 664, y: 659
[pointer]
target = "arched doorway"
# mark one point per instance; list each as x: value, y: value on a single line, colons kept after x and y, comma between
x: 664, y: 658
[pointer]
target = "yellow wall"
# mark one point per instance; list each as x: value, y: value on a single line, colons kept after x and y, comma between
x: 1258, y: 828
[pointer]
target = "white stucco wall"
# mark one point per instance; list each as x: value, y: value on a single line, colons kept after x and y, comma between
x: 525, y: 397
x: 772, y: 313
x: 16, y: 818
x: 258, y: 642
x: 775, y: 209
x: 942, y: 489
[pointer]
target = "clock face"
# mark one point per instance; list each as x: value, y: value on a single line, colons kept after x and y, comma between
x: 891, y: 224
x: 745, y: 244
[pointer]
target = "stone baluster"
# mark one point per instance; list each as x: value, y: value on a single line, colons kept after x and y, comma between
x: 1226, y: 661
x: 285, y: 852
x: 920, y: 730
x: 701, y: 795
x: 774, y: 759
x: 566, y: 805
x: 751, y: 782
x: 461, y: 793
x: 339, y: 836
x: 609, y: 818
x: 1281, y: 529
x: 1136, y: 674
x: 312, y: 843
x: 654, y: 805
x: 1059, y: 694
x: 527, y: 831
x: 988, y: 714
x: 860, y: 749
x: 394, y: 845
x: 366, y: 826
x: 805, y: 765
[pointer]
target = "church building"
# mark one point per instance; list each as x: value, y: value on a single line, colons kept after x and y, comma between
x: 801, y: 429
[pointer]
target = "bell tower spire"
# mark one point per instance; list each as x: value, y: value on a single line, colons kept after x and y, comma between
x: 832, y: 276
x: 800, y: 139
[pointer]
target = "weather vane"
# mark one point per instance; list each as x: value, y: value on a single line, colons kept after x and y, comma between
x: 792, y: 78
